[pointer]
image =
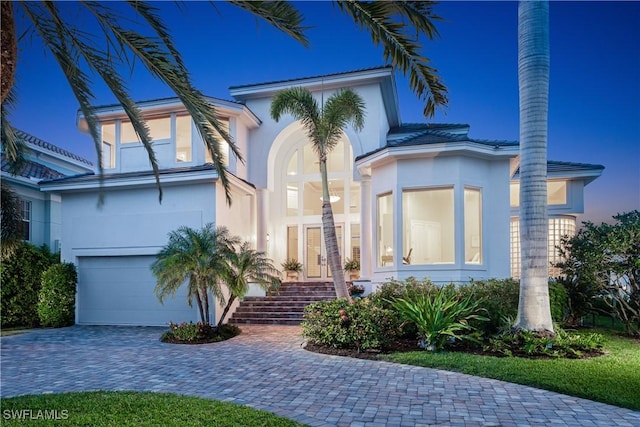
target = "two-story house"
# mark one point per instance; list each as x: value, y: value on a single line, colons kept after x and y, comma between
x: 423, y: 200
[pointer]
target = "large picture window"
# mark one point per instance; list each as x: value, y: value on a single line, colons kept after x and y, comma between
x: 385, y: 230
x: 428, y: 226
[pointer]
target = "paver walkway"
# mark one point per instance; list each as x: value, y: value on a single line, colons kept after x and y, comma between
x: 267, y: 368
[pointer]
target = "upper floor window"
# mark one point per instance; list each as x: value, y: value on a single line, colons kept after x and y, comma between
x: 159, y: 129
x: 25, y: 225
x: 183, y: 139
x: 556, y: 193
x: 224, y: 146
x: 108, y: 145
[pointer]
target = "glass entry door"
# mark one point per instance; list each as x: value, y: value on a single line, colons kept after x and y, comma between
x: 315, y: 258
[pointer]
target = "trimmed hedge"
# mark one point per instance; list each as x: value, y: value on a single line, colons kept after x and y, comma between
x: 21, y: 281
x: 57, y: 297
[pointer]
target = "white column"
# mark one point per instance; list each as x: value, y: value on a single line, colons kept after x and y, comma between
x: 261, y: 220
x: 366, y: 243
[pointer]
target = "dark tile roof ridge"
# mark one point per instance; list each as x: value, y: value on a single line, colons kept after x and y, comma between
x: 135, y: 174
x: 429, y: 125
x: 575, y: 164
x: 379, y: 67
x: 31, y: 169
x: 168, y: 98
x: 49, y: 146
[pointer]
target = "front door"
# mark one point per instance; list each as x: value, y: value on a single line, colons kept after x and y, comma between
x: 316, y: 266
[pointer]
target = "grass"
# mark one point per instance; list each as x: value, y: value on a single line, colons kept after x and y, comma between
x: 133, y: 409
x: 5, y: 332
x: 613, y: 378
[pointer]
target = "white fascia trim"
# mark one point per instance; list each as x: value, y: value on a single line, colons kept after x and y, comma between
x: 326, y: 82
x: 135, y: 181
x: 33, y: 183
x: 431, y: 150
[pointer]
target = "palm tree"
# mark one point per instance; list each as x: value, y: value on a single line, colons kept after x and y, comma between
x: 534, y: 309
x: 11, y: 221
x: 244, y: 266
x: 195, y: 257
x: 324, y: 127
x: 397, y: 26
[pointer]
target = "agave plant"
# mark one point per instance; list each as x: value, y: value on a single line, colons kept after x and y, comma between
x: 439, y: 316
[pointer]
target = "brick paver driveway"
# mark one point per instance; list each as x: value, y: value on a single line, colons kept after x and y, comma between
x: 267, y: 368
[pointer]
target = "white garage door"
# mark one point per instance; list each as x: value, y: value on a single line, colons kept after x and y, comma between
x: 119, y: 291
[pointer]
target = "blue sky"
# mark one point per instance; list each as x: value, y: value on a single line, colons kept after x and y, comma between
x: 594, y: 112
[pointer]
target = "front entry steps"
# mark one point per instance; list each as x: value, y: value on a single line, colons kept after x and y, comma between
x: 283, y: 308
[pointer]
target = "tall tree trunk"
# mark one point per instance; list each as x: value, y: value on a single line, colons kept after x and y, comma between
x: 8, y: 45
x: 330, y: 238
x: 205, y: 303
x: 534, y: 310
x: 232, y: 298
x: 200, y: 309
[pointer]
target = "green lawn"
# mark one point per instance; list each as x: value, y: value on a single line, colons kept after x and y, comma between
x: 613, y: 378
x: 133, y: 409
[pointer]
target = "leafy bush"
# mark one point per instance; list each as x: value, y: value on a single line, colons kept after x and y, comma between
x: 362, y: 325
x: 21, y: 281
x: 559, y: 300
x: 608, y: 256
x: 389, y: 292
x: 439, y: 317
x: 198, y: 333
x: 528, y: 343
x: 57, y: 296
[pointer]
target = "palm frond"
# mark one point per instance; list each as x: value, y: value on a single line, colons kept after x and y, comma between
x: 12, y: 146
x: 399, y: 48
x: 281, y: 14
x: 11, y: 215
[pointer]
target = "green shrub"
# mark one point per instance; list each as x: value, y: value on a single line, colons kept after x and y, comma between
x: 499, y: 299
x: 198, y: 333
x: 57, y: 296
x: 440, y: 317
x: 396, y: 289
x: 559, y: 300
x: 362, y: 325
x: 21, y: 281
x: 530, y: 344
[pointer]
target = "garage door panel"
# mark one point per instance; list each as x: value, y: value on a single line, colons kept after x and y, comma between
x: 120, y: 291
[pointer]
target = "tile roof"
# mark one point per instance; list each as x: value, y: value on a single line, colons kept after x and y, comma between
x: 554, y: 166
x: 432, y: 133
x: 310, y: 77
x: 31, y: 169
x: 30, y: 139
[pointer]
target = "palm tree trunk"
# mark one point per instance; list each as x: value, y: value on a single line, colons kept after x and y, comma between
x: 205, y: 303
x: 9, y: 48
x: 534, y: 310
x: 200, y: 309
x: 232, y: 298
x: 330, y: 239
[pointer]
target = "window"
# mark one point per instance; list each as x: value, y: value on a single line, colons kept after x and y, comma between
x: 556, y: 193
x: 385, y: 230
x: 355, y: 242
x: 108, y: 145
x: 159, y: 129
x: 224, y: 146
x: 183, y: 139
x: 558, y: 227
x: 428, y: 226
x: 472, y: 226
x: 292, y: 242
x: 25, y: 225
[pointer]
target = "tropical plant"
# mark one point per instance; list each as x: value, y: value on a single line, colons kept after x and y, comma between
x: 352, y: 265
x: 292, y: 264
x: 534, y: 313
x: 133, y: 32
x: 196, y: 257
x: 11, y: 221
x: 57, y: 296
x: 241, y: 267
x: 325, y: 126
x: 439, y: 317
x: 605, y: 259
